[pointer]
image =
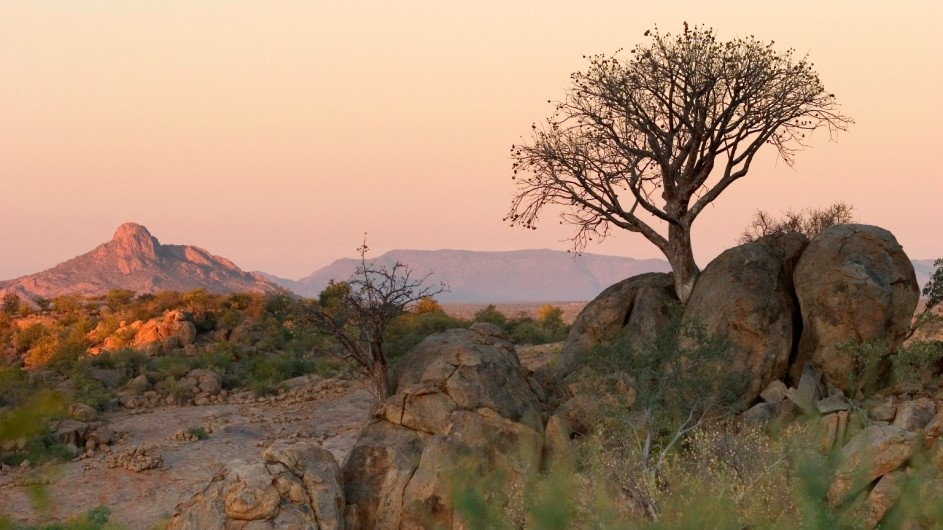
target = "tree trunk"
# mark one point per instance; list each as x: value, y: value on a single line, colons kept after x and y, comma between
x: 681, y: 257
x: 379, y: 373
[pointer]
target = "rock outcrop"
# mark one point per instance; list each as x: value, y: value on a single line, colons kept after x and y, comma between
x: 854, y: 283
x: 635, y: 307
x: 780, y: 302
x: 297, y: 488
x: 462, y: 408
x: 745, y: 296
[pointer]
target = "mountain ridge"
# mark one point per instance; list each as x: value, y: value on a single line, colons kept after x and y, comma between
x: 134, y: 259
x: 533, y: 275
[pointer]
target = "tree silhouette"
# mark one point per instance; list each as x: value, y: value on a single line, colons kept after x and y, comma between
x: 358, y: 312
x: 649, y: 140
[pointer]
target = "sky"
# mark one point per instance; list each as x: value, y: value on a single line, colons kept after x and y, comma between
x: 277, y: 133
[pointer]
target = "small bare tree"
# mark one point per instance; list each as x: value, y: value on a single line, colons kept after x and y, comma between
x: 651, y: 139
x: 358, y: 312
x: 807, y: 222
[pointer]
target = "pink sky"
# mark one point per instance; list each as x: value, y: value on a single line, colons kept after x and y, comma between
x: 275, y: 133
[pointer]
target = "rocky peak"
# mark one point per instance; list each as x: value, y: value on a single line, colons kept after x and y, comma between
x: 134, y: 259
x: 133, y: 240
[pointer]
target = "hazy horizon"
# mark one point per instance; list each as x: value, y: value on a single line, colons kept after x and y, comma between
x: 276, y: 134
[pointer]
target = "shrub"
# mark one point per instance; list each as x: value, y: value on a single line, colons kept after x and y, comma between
x: 14, y: 386
x: 490, y: 314
x: 531, y: 333
x: 199, y: 432
x: 678, y: 387
x: 909, y: 368
x: 410, y: 329
x: 28, y: 337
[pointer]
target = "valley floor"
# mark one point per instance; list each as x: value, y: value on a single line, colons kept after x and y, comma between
x: 331, y: 419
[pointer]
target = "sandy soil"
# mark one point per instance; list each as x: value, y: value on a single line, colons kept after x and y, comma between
x: 138, y: 500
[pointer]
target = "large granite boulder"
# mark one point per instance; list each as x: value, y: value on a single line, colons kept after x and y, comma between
x: 854, y: 283
x: 292, y: 487
x: 745, y: 296
x: 637, y: 307
x: 462, y: 408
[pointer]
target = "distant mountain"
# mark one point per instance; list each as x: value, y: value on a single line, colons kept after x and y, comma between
x: 136, y: 260
x: 513, y: 276
x: 924, y: 268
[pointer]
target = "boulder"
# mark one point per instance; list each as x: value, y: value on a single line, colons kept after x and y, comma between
x: 915, y: 415
x: 292, y: 487
x: 884, y: 495
x: 774, y: 392
x: 70, y: 432
x: 462, y: 408
x: 854, y: 283
x: 205, y: 381
x: 875, y: 451
x: 83, y: 412
x: 745, y: 296
x: 636, y: 307
x: 138, y: 385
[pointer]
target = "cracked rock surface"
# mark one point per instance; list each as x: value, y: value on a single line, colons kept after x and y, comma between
x: 854, y: 283
x: 461, y: 404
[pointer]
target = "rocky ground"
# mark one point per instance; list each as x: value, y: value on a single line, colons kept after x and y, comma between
x: 328, y: 413
x: 330, y: 417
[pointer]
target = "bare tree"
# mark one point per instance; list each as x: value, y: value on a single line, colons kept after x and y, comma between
x: 653, y: 138
x: 807, y: 222
x: 358, y: 312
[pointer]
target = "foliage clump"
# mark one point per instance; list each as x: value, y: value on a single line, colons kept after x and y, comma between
x: 806, y: 222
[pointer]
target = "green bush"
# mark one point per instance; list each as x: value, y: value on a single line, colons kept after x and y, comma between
x: 491, y: 315
x: 94, y: 519
x: 410, y: 329
x: 199, y: 432
x: 88, y: 390
x: 131, y: 363
x: 175, y: 366
x: 531, y: 333
x: 14, y: 386
x: 28, y: 337
x: 681, y: 381
x: 908, y: 368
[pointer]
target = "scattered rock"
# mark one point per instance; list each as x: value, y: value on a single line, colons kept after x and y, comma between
x: 809, y: 390
x: 914, y: 415
x: 137, y: 459
x: 872, y: 453
x: 774, y: 392
x: 887, y: 491
x: 759, y: 414
x: 204, y: 381
x: 82, y: 412
x: 68, y: 432
x: 833, y: 428
x: 291, y: 488
x: 833, y: 403
x: 138, y: 385
x: 883, y: 411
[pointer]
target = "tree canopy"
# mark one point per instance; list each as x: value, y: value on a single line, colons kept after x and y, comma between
x: 649, y: 139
